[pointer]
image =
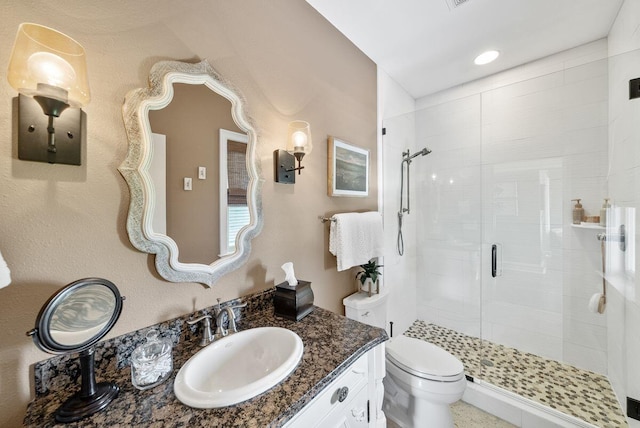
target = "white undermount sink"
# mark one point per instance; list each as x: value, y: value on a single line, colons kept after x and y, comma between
x: 238, y: 367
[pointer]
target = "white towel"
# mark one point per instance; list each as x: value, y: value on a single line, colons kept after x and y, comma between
x: 5, y: 273
x: 356, y: 238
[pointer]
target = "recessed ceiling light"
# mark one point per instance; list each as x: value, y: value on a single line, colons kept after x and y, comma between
x: 486, y: 57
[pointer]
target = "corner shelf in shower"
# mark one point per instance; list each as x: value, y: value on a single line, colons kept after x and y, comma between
x: 588, y: 226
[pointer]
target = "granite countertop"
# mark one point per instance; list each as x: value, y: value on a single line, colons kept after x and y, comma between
x: 331, y: 343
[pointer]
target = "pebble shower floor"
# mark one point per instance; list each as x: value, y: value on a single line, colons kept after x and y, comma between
x: 570, y: 390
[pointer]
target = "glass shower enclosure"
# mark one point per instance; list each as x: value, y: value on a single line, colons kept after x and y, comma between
x: 490, y: 236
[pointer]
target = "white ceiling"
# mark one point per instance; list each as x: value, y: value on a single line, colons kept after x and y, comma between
x: 428, y: 45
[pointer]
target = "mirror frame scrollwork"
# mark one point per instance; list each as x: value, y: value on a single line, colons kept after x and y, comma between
x: 135, y: 167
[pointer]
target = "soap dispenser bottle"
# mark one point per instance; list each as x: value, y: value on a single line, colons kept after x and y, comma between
x: 578, y: 212
x: 603, y: 212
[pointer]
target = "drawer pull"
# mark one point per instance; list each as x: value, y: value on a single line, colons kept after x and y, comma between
x: 342, y: 393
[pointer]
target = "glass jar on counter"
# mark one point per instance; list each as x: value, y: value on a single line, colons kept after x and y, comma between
x: 151, y: 362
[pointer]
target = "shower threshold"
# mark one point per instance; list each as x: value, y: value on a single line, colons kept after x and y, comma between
x: 526, y: 389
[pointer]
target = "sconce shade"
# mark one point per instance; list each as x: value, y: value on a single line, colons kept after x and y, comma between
x: 47, y: 63
x: 299, y: 138
x: 298, y: 145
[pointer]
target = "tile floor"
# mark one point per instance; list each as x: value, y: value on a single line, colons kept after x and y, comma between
x: 580, y: 393
x: 467, y: 416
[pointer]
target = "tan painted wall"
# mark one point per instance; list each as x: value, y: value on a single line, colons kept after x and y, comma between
x: 192, y: 123
x: 60, y: 223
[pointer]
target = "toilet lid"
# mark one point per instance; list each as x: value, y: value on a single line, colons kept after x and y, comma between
x: 424, y: 359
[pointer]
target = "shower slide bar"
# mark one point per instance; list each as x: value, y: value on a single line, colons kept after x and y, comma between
x: 407, y: 158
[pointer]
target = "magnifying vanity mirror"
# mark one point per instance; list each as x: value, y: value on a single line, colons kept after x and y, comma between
x: 192, y: 173
x: 74, y: 320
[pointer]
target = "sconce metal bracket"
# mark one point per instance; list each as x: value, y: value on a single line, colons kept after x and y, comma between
x: 33, y: 135
x: 284, y: 167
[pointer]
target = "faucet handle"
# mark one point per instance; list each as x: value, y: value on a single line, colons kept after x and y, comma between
x: 206, y: 329
x: 231, y: 316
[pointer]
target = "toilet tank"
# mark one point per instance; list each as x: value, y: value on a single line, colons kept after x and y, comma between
x: 369, y: 310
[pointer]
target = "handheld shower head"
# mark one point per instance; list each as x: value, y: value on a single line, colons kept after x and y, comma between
x: 422, y: 152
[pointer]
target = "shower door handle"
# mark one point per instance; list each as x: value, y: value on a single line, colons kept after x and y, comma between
x: 495, y: 269
x: 494, y: 260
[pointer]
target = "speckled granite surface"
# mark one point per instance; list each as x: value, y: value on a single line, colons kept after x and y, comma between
x: 331, y: 343
x: 576, y: 392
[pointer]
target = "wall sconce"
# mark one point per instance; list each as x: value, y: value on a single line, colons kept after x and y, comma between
x: 51, y: 68
x: 298, y: 145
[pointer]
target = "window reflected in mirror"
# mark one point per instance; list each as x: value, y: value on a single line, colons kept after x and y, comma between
x: 234, y: 181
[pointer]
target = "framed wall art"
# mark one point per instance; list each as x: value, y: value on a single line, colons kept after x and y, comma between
x: 348, y: 168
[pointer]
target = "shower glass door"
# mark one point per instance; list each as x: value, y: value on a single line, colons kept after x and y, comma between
x: 544, y: 142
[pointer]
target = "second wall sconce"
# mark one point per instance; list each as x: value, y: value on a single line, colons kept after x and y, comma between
x: 51, y: 68
x: 298, y: 145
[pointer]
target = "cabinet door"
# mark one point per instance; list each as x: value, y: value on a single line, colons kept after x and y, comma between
x: 353, y: 414
x: 329, y: 402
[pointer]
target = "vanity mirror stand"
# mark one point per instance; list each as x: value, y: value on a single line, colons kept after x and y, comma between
x: 74, y: 320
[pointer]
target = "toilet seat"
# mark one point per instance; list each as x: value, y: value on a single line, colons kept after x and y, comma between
x: 424, y: 359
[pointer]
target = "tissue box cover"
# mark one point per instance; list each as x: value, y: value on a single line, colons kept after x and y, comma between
x: 293, y: 302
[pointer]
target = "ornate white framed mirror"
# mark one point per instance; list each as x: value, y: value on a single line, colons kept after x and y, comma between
x: 185, y: 206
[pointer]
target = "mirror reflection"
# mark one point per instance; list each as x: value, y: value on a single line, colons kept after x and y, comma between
x: 196, y: 138
x: 82, y: 314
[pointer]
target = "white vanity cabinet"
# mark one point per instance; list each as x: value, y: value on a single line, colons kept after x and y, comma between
x: 352, y: 400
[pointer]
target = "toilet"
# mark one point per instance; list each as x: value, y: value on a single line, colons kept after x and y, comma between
x: 422, y: 379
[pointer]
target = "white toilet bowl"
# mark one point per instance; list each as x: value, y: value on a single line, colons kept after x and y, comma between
x: 422, y: 381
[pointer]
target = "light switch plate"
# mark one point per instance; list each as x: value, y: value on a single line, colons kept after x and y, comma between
x: 187, y: 183
x: 202, y: 172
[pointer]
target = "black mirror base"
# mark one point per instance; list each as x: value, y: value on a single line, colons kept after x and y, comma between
x: 78, y: 407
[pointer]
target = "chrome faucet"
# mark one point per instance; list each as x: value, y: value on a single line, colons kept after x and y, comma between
x: 207, y: 338
x: 220, y: 331
x: 231, y: 320
x: 231, y: 316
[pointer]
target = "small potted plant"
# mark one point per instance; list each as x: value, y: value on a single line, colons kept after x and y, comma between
x: 368, y: 276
